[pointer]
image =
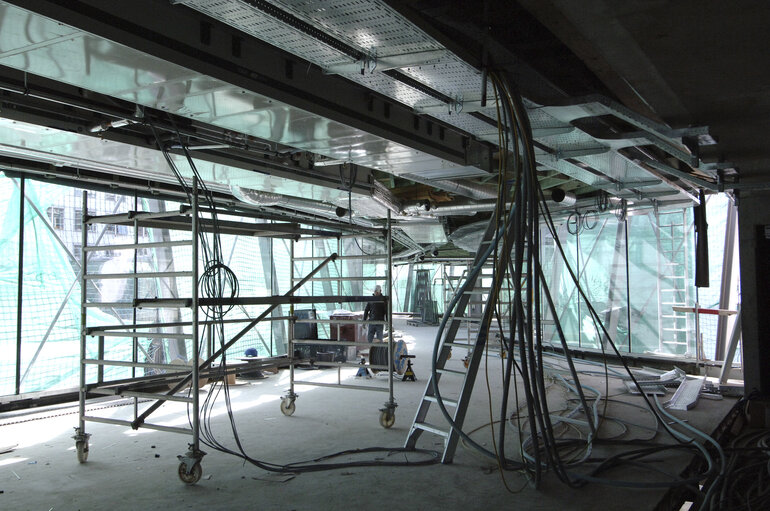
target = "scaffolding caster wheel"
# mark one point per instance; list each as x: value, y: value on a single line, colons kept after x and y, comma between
x: 190, y: 470
x: 195, y: 473
x: 387, y: 419
x: 82, y: 450
x: 81, y: 445
x: 287, y: 405
x: 388, y: 415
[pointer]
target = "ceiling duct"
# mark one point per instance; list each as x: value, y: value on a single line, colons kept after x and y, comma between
x: 468, y: 189
x: 268, y: 199
x: 562, y: 197
x: 468, y: 237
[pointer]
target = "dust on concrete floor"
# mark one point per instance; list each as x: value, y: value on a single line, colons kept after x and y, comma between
x: 129, y: 469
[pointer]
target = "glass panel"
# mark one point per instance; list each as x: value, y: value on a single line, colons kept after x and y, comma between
x: 643, y: 283
x: 561, y: 285
x: 602, y: 247
x: 9, y: 281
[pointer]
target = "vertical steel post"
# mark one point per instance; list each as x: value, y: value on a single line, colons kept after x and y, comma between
x: 20, y: 285
x: 628, y: 291
x: 290, y: 344
x: 83, y: 298
x: 731, y: 229
x: 339, y: 293
x: 195, y: 335
x: 135, y: 340
x: 100, y: 356
x: 389, y: 243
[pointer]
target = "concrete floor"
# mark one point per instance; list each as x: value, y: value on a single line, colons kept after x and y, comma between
x: 136, y: 470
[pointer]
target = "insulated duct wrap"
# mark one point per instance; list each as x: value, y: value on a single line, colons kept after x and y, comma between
x: 268, y: 199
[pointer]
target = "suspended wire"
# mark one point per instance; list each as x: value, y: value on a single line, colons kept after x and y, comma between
x: 218, y: 281
x: 515, y: 256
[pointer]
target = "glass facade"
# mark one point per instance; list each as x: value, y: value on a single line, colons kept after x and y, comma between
x: 632, y: 270
x: 51, y: 286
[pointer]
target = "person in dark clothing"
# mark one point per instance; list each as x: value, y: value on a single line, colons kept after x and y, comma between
x: 376, y: 311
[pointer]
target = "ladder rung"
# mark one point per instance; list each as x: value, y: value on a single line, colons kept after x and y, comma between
x: 145, y: 365
x: 129, y: 246
x: 143, y: 335
x: 450, y: 371
x: 148, y: 395
x: 147, y: 275
x: 171, y: 303
x: 432, y: 399
x: 131, y: 216
x: 118, y: 305
x: 431, y: 429
x: 459, y: 345
x: 465, y: 319
x: 344, y: 279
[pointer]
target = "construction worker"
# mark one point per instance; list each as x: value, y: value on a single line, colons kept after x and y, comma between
x: 376, y: 311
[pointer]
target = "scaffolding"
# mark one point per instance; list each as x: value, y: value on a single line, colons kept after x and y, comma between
x: 192, y: 332
x: 387, y: 413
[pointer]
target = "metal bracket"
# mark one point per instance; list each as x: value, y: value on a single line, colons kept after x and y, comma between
x: 389, y: 407
x: 190, y: 458
x: 79, y: 436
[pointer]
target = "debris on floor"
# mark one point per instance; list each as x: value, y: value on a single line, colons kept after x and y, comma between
x: 275, y: 477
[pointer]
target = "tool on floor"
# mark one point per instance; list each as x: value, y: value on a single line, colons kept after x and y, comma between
x: 363, y: 371
x: 409, y: 372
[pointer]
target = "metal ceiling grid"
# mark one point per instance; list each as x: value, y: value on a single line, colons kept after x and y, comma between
x: 538, y: 118
x: 452, y: 77
x: 262, y: 26
x: 573, y: 141
x: 358, y: 23
x: 369, y: 25
x: 468, y: 123
x: 393, y: 89
x: 48, y: 145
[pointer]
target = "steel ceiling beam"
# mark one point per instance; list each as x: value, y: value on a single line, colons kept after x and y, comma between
x: 206, y: 46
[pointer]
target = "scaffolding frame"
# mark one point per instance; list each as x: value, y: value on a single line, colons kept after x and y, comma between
x: 186, y: 218
x: 387, y: 413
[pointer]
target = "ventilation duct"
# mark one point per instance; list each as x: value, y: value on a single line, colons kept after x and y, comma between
x: 468, y: 189
x: 559, y: 196
x: 468, y: 237
x: 269, y: 199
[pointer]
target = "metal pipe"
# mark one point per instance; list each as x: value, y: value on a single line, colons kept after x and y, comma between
x: 260, y: 198
x: 20, y: 285
x: 195, y: 333
x: 467, y: 188
x: 563, y: 197
x: 389, y: 242
x: 83, y: 297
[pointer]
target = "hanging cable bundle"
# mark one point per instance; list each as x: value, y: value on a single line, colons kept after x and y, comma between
x: 514, y: 253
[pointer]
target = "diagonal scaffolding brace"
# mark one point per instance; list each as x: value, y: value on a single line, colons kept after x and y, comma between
x: 205, y: 365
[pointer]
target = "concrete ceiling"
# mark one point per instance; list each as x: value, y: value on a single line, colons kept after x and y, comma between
x: 682, y: 65
x: 685, y: 62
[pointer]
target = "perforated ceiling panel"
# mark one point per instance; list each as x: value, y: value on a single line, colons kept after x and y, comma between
x: 369, y: 25
x: 262, y: 26
x: 332, y: 34
x: 451, y: 76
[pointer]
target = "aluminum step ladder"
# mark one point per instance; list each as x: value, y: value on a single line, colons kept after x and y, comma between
x: 457, y: 408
